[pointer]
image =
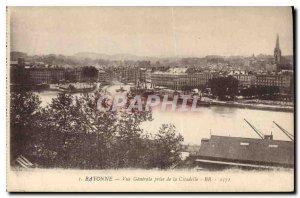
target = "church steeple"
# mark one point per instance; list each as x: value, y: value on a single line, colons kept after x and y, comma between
x: 277, y: 42
x: 277, y: 52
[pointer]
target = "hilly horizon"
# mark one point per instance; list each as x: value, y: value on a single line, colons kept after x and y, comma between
x: 119, y: 56
x: 127, y: 56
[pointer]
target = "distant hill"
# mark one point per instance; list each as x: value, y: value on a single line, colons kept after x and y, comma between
x: 15, y: 55
x: 93, y: 55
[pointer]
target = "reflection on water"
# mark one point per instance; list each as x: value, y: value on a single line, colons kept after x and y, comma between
x: 224, y: 112
x: 217, y: 120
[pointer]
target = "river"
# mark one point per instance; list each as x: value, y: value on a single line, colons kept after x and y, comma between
x: 215, y: 120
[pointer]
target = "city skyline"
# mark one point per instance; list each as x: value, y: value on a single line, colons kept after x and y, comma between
x: 154, y: 32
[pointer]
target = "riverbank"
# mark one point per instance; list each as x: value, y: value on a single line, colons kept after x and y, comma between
x: 253, y: 106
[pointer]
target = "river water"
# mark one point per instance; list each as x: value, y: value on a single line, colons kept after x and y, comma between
x: 215, y: 120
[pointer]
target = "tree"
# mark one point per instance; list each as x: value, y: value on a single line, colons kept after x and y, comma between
x: 144, y: 63
x: 68, y: 125
x: 69, y: 76
x: 130, y: 148
x: 79, y: 135
x: 24, y: 113
x: 90, y: 73
x: 260, y: 91
x: 100, y: 130
x: 166, y: 147
x: 224, y: 87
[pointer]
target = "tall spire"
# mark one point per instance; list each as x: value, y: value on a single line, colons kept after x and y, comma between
x: 277, y: 42
x: 277, y: 53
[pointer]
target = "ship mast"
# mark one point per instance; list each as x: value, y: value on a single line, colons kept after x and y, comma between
x: 260, y: 134
x: 285, y: 131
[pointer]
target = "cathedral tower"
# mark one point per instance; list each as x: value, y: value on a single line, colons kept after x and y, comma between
x: 277, y: 52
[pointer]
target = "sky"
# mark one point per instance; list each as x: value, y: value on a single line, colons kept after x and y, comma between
x: 151, y: 31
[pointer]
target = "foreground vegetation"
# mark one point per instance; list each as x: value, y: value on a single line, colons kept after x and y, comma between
x: 71, y: 133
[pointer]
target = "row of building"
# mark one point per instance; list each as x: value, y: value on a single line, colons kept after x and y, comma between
x: 174, y: 78
x: 178, y: 79
x: 182, y: 79
x: 26, y: 73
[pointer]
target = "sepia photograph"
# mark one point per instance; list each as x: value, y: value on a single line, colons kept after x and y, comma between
x: 150, y: 99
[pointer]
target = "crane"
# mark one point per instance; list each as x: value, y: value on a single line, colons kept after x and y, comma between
x: 260, y: 134
x: 285, y: 131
